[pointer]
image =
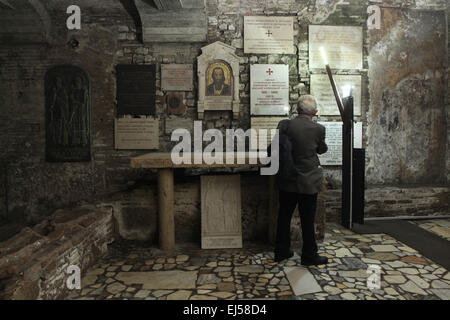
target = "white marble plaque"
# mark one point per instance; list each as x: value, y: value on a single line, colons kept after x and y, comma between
x: 342, y: 44
x: 136, y: 133
x: 273, y: 35
x: 221, y: 212
x: 268, y: 123
x: 269, y: 89
x: 322, y: 90
x: 333, y: 138
x: 177, y: 77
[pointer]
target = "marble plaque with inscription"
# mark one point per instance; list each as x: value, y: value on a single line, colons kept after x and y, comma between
x: 269, y: 89
x: 177, y: 77
x: 343, y: 46
x: 322, y: 90
x: 267, y: 123
x: 221, y: 212
x: 333, y: 139
x: 273, y: 35
x: 136, y: 133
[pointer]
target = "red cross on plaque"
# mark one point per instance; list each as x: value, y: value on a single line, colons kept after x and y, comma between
x: 269, y: 71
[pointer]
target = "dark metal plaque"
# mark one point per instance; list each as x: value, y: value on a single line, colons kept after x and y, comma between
x: 68, y: 114
x: 136, y: 86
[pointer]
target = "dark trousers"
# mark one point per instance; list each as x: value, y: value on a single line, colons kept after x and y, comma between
x: 307, y: 204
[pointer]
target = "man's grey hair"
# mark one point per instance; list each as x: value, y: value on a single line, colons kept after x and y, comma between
x: 307, y: 104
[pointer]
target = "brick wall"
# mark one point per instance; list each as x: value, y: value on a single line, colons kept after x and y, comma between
x: 34, y: 263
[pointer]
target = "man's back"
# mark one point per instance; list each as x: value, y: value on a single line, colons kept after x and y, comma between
x: 308, y: 140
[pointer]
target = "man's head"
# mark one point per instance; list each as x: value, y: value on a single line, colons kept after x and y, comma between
x: 218, y: 75
x: 307, y: 104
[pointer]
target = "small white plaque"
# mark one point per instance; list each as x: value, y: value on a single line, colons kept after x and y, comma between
x: 273, y: 35
x: 269, y: 89
x: 342, y: 44
x: 333, y: 139
x: 268, y: 123
x: 321, y: 89
x: 177, y: 77
x: 136, y: 133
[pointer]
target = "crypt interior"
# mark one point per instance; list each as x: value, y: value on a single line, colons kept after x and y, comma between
x: 93, y: 91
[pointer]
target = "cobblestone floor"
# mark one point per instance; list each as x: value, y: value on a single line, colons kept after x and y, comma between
x: 131, y: 272
x: 441, y: 227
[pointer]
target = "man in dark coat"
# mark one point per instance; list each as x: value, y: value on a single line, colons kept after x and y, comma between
x: 307, y: 140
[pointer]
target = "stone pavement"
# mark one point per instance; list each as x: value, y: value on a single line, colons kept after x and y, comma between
x: 136, y: 272
x: 441, y: 227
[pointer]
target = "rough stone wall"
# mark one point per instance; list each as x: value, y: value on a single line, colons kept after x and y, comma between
x: 109, y: 37
x: 407, y: 122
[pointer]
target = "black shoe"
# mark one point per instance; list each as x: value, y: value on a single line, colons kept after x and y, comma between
x: 317, y: 260
x: 281, y: 257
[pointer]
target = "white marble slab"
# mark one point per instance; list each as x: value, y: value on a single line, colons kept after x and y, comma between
x: 269, y: 89
x: 301, y: 280
x: 273, y: 35
x: 342, y: 44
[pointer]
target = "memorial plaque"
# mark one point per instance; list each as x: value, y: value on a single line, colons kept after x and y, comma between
x: 177, y: 77
x: 273, y: 35
x: 268, y: 123
x: 175, y: 104
x: 136, y: 86
x: 333, y: 138
x: 343, y: 46
x: 136, y: 133
x: 68, y: 114
x: 321, y: 89
x: 221, y: 212
x: 269, y: 89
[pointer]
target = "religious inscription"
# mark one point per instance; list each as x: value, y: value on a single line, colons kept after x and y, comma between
x: 342, y: 45
x: 322, y: 90
x: 269, y: 89
x: 136, y: 133
x: 267, y: 123
x: 273, y: 35
x: 175, y: 104
x: 221, y: 212
x: 136, y: 86
x: 333, y: 138
x: 68, y: 114
x: 177, y: 77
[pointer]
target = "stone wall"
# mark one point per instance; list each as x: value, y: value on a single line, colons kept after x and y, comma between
x: 394, y: 156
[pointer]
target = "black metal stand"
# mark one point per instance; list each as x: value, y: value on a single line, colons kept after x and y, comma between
x: 352, y: 199
x: 347, y: 163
